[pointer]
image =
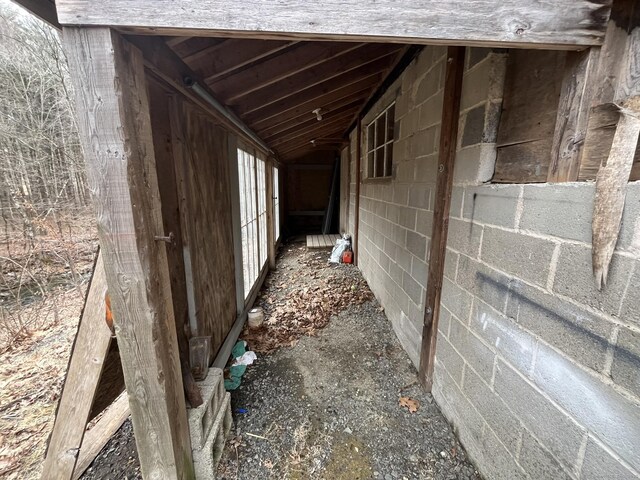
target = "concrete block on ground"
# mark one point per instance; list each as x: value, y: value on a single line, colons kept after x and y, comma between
x: 504, y: 335
x: 202, y: 418
x: 625, y: 370
x: 599, y: 464
x: 464, y: 236
x: 574, y: 278
x: 610, y: 416
x: 522, y: 256
x: 557, y: 431
x: 492, y: 204
x: 449, y: 358
x: 205, y: 459
x: 493, y: 409
x: 563, y: 210
x: 538, y: 462
x: 580, y: 334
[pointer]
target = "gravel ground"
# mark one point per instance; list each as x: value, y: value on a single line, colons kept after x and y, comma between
x: 326, y: 408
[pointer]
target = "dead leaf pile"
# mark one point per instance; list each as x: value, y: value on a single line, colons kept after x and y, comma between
x: 301, y: 296
x: 409, y: 403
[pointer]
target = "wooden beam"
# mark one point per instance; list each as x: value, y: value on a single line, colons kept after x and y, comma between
x: 45, y: 10
x: 563, y: 23
x: 115, y: 131
x: 233, y: 55
x: 302, y: 56
x: 311, y: 99
x: 97, y: 436
x: 81, y: 382
x: 345, y: 69
x: 333, y: 130
x: 444, y: 184
x: 578, y: 87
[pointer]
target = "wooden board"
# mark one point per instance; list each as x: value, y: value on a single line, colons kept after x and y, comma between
x: 115, y: 132
x: 202, y: 172
x: 525, y: 135
x: 561, y: 22
x: 97, y: 436
x: 322, y: 241
x: 444, y: 185
x: 83, y: 374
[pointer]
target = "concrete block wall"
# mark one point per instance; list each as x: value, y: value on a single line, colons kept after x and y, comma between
x: 537, y: 370
x: 531, y: 358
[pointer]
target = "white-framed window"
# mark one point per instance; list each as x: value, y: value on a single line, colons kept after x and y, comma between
x: 380, y: 144
x: 253, y: 216
x: 276, y: 204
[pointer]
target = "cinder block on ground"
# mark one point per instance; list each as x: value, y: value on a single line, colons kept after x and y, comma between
x: 205, y: 459
x: 202, y: 418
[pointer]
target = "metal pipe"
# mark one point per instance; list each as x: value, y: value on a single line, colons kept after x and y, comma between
x: 220, y: 108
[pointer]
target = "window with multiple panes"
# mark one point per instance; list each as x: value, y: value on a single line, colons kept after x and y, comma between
x: 253, y: 216
x: 276, y: 205
x: 380, y: 144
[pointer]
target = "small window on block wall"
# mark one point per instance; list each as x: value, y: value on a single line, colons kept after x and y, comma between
x: 380, y: 144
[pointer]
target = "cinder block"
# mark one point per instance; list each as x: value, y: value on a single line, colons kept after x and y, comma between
x: 444, y: 322
x: 450, y: 264
x: 630, y: 312
x: 413, y: 288
x: 625, y: 370
x: 556, y: 430
x: 538, y: 462
x: 202, y: 418
x: 475, y: 85
x: 205, y: 460
x: 608, y: 415
x: 404, y: 171
x: 424, y: 222
x: 407, y: 217
x: 420, y: 271
x: 475, y: 55
x: 600, y: 464
x: 473, y: 126
x: 431, y: 110
x: 427, y: 169
x: 424, y: 141
x: 503, y: 334
x: 457, y: 300
x: 420, y: 196
x: 496, y: 459
x: 464, y: 236
x: 492, y: 409
x: 474, y: 164
x: 401, y: 194
x: 457, y: 196
x: 629, y: 238
x: 430, y: 83
x: 449, y: 359
x: 571, y: 204
x: 522, y: 256
x: 476, y: 353
x: 492, y: 204
x: 577, y: 332
x: 416, y: 244
x: 492, y: 121
x: 483, y: 282
x: 574, y: 278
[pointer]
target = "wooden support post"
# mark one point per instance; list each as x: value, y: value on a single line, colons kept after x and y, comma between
x: 356, y: 213
x: 83, y: 376
x: 444, y: 184
x: 573, y: 114
x: 234, y: 182
x: 115, y: 131
x: 271, y: 240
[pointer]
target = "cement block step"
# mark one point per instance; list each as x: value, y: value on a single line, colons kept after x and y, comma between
x: 202, y: 418
x: 205, y: 460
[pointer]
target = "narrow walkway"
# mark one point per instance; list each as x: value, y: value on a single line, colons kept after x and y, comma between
x: 329, y: 406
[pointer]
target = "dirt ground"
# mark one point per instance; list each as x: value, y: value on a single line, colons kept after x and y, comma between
x: 326, y: 405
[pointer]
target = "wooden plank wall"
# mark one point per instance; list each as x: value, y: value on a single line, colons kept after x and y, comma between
x: 202, y: 171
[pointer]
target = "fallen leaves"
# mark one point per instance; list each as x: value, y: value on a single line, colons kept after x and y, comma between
x: 409, y: 403
x: 301, y: 296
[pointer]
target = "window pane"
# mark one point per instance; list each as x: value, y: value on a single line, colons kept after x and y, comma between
x: 370, y: 163
x: 380, y: 162
x: 371, y: 137
x: 380, y: 129
x: 388, y: 160
x: 390, y: 122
